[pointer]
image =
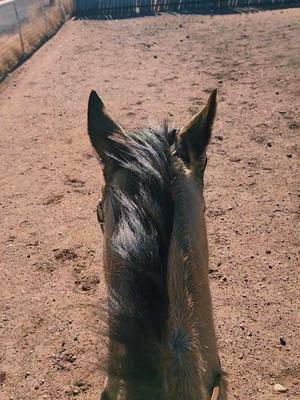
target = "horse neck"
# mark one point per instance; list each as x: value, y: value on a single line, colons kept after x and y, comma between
x: 193, y: 356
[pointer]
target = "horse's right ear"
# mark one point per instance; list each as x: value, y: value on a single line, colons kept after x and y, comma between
x: 100, y: 125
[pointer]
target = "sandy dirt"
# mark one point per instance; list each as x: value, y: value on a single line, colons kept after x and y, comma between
x: 51, y: 264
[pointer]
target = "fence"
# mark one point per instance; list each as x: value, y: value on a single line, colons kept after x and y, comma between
x: 125, y: 8
x: 25, y: 25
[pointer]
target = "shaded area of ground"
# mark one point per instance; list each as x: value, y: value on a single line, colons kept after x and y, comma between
x: 51, y: 266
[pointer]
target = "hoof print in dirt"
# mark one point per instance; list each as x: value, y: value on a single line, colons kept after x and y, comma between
x: 64, y: 360
x: 87, y: 283
x: 216, y: 274
x: 53, y: 199
x: 74, y: 182
x: 77, y: 389
x: 64, y: 255
x: 87, y: 156
x: 44, y: 266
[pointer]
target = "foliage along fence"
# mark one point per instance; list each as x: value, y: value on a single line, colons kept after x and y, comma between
x: 126, y: 8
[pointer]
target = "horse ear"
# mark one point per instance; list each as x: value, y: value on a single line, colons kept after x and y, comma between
x: 100, y: 125
x: 195, y: 136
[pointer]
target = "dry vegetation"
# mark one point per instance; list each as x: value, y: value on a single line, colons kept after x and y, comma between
x: 41, y: 25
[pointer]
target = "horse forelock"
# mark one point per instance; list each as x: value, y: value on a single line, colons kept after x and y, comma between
x: 146, y: 197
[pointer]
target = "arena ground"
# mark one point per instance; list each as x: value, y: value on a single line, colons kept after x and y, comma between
x: 146, y: 69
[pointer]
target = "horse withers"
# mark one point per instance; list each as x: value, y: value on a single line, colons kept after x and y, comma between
x: 162, y: 341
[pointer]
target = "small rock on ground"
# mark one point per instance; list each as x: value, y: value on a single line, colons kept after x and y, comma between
x: 279, y: 388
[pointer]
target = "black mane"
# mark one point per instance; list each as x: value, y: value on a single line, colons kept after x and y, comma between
x: 138, y: 298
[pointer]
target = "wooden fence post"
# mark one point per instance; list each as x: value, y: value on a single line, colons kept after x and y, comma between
x: 61, y: 10
x: 19, y: 27
x: 45, y: 17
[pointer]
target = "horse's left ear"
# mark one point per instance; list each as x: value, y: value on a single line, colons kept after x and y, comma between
x: 100, y: 125
x: 195, y: 136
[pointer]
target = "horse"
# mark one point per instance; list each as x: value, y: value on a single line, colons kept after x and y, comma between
x: 162, y: 341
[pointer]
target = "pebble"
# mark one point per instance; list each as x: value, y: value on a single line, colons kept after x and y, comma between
x: 279, y: 388
x: 282, y: 341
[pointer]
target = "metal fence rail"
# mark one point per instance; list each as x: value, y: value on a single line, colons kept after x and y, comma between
x: 123, y: 8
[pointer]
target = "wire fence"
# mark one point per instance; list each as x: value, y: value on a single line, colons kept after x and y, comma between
x: 25, y: 25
